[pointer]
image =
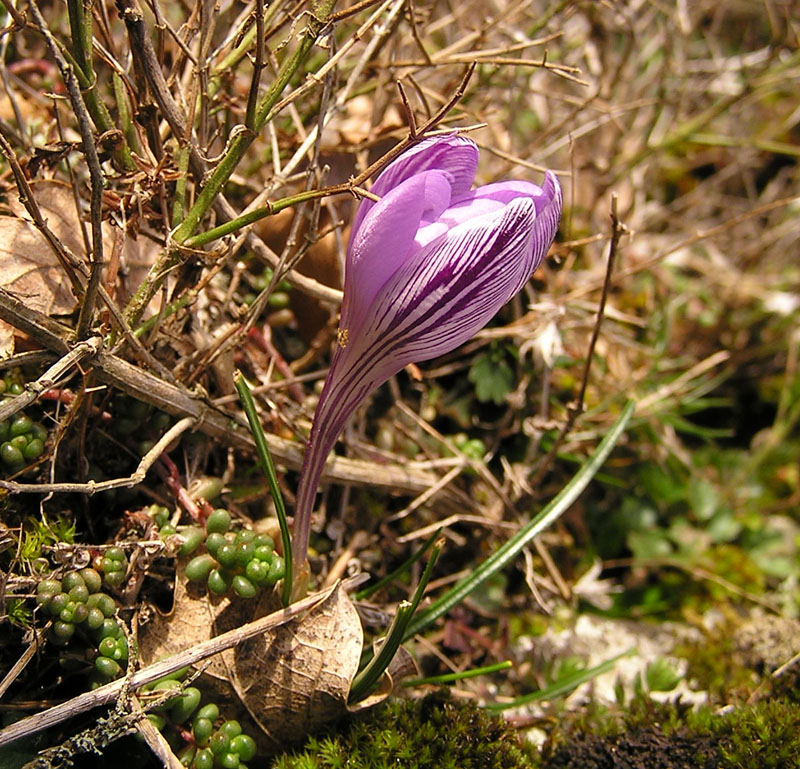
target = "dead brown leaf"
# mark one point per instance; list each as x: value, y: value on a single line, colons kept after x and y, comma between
x: 197, y: 616
x: 287, y: 683
x: 297, y: 679
x: 28, y: 268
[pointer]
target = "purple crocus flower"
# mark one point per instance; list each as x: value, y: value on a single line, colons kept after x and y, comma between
x: 427, y: 267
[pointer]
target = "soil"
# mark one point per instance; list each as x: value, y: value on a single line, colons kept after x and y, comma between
x: 642, y: 749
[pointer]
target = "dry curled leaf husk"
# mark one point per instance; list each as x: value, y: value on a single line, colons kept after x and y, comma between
x: 286, y: 683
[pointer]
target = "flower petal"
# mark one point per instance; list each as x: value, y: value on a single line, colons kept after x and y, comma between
x: 452, y: 154
x: 438, y: 299
x: 548, y: 213
x: 385, y: 239
x: 428, y: 297
x: 451, y: 288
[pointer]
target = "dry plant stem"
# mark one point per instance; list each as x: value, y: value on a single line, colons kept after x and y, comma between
x: 47, y: 380
x: 148, y: 60
x: 258, y: 66
x: 108, y: 693
x: 19, y: 18
x: 97, y: 181
x: 154, y: 739
x: 443, y: 523
x: 786, y: 666
x: 92, y: 487
x: 33, y: 358
x: 351, y: 10
x: 351, y: 187
x: 238, y: 144
x: 395, y: 7
x: 94, y: 739
x: 699, y: 236
x: 417, y: 502
x: 168, y: 471
x: 305, y: 284
x: 649, y: 404
x: 72, y: 265
x: 31, y: 650
x: 575, y: 409
x: 179, y: 402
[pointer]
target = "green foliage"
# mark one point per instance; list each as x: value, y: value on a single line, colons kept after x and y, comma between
x: 701, y: 530
x: 22, y: 441
x: 492, y: 376
x: 201, y: 738
x: 715, y: 665
x: 39, y: 534
x: 763, y: 736
x: 661, y: 676
x: 18, y: 612
x: 435, y: 732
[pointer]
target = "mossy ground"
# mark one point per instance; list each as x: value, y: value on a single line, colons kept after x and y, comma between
x: 439, y: 732
x: 436, y: 732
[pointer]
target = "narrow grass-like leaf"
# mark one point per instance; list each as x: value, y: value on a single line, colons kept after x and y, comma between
x: 550, y: 513
x: 369, y: 676
x: 268, y: 466
x: 563, y: 686
x: 449, y: 678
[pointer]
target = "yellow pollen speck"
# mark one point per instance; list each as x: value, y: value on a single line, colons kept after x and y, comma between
x: 341, y: 337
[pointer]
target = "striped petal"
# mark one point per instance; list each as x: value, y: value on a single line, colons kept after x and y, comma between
x: 448, y: 290
x: 386, y: 236
x: 455, y: 155
x: 428, y: 266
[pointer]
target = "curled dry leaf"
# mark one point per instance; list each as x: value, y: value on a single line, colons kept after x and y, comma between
x: 195, y: 617
x: 28, y: 268
x: 296, y: 679
x: 287, y: 683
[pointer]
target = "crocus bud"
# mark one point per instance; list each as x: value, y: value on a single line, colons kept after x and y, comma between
x: 427, y: 267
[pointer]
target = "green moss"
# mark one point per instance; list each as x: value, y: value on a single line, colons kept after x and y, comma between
x: 762, y: 737
x: 414, y: 734
x: 759, y: 736
x: 439, y: 732
x: 716, y: 665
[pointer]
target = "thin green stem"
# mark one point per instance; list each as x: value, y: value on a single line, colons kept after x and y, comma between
x: 449, y: 678
x: 81, y: 33
x: 261, y: 213
x: 125, y: 119
x: 268, y: 467
x: 562, y: 686
x: 186, y: 298
x: 218, y: 179
x: 362, y: 595
x: 180, y: 185
x: 368, y: 678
